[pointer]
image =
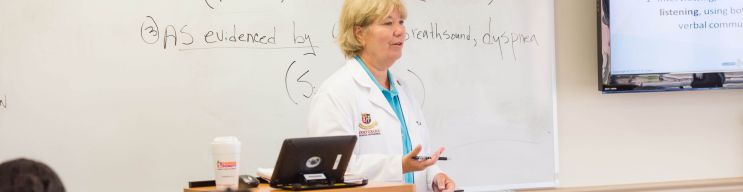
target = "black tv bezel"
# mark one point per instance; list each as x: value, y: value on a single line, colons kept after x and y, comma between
x: 657, y: 82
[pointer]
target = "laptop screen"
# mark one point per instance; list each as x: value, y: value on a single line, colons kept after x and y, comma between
x: 303, y: 160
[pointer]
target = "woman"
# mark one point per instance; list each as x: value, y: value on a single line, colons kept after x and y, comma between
x: 364, y: 99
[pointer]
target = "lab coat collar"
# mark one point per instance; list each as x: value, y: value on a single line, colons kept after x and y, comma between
x: 375, y: 95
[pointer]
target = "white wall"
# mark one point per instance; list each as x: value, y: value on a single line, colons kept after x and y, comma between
x: 636, y: 138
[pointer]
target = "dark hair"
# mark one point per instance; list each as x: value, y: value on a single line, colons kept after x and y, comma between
x: 605, y: 8
x: 24, y: 175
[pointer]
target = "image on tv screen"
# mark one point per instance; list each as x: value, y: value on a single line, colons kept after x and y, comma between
x: 669, y: 45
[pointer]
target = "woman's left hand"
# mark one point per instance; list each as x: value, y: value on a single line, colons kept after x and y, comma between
x: 442, y: 182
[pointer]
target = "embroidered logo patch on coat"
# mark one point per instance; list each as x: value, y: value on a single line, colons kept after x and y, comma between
x: 368, y: 125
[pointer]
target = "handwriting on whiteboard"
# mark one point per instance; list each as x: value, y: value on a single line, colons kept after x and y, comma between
x: 503, y: 40
x: 490, y: 2
x: 286, y: 36
x: 212, y: 4
x: 299, y: 89
x: 232, y: 37
x: 4, y: 102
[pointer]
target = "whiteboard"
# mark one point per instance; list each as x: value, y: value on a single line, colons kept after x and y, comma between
x: 129, y: 94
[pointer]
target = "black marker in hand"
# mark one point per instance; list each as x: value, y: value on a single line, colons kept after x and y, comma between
x: 420, y: 158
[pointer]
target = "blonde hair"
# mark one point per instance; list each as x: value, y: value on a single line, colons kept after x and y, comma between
x: 362, y: 13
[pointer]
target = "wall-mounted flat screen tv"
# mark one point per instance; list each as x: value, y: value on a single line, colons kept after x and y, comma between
x: 669, y: 45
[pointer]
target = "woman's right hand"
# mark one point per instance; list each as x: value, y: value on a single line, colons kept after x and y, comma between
x: 409, y: 163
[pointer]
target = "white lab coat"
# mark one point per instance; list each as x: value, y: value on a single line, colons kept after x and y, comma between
x: 338, y: 109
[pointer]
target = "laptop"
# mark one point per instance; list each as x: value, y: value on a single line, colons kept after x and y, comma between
x: 314, y: 163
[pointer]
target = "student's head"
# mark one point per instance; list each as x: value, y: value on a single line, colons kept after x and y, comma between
x: 605, y: 12
x: 24, y: 175
x: 372, y: 27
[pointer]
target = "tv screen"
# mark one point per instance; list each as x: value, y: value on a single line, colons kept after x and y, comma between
x: 669, y: 45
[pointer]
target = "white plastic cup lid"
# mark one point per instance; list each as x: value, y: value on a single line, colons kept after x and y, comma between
x: 226, y: 145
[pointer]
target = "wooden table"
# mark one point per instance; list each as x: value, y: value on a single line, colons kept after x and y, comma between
x: 371, y: 187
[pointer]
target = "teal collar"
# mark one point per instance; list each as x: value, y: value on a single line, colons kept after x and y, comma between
x: 392, y: 89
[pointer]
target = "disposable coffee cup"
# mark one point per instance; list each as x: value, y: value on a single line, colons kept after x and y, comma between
x: 226, y: 153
